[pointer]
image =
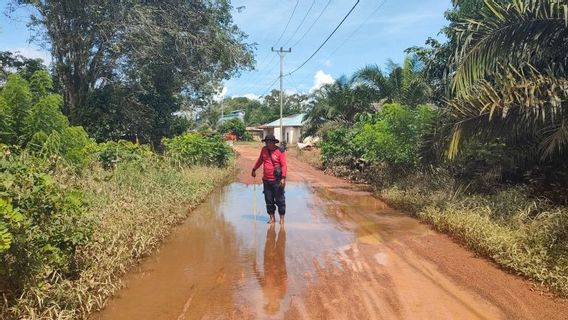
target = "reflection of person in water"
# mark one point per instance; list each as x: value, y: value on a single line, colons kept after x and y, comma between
x: 274, y: 283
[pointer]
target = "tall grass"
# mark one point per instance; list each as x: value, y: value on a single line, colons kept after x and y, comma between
x: 133, y: 207
x: 525, y: 235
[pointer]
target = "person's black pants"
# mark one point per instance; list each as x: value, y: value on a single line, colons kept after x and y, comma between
x: 274, y: 196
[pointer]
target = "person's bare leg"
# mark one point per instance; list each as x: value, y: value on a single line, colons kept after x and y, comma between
x: 272, y: 219
x: 282, y: 219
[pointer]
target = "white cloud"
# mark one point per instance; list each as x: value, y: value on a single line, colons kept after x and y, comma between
x: 33, y: 53
x: 290, y: 92
x: 251, y: 96
x: 320, y: 79
x: 220, y: 94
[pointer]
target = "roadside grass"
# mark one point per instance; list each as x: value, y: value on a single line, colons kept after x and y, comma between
x: 528, y: 237
x: 133, y: 207
x: 525, y: 235
x: 312, y: 157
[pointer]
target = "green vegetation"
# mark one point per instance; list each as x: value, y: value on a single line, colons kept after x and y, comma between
x: 256, y: 112
x: 195, y: 149
x: 468, y: 135
x: 127, y: 67
x: 66, y: 238
x: 236, y: 127
x: 75, y: 214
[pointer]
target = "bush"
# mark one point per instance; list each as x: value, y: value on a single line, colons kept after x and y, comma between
x: 235, y: 126
x: 390, y: 138
x: 42, y: 223
x: 113, y: 152
x: 196, y: 149
x: 338, y: 147
x: 46, y: 116
x: 73, y: 146
x: 394, y: 136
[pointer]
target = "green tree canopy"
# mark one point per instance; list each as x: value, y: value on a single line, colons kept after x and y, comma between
x: 149, y: 52
x: 17, y: 94
x: 46, y: 116
x: 7, y: 134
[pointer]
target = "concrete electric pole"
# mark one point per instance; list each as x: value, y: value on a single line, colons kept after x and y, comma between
x: 281, y: 52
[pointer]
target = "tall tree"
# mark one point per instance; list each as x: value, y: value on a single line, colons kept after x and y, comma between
x: 339, y: 103
x: 16, y: 63
x: 401, y: 84
x: 159, y: 48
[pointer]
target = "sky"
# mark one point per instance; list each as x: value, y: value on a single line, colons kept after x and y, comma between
x: 376, y: 31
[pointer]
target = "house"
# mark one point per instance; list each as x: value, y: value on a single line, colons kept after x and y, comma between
x: 291, y: 125
x: 237, y: 114
x: 256, y: 133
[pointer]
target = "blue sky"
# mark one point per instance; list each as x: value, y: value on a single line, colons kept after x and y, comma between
x: 376, y: 31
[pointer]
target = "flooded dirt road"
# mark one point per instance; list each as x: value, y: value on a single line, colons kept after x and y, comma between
x: 342, y: 255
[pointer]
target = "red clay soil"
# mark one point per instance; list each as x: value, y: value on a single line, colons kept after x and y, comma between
x: 429, y: 276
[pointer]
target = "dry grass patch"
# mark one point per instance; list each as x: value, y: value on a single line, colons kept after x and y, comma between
x: 134, y: 208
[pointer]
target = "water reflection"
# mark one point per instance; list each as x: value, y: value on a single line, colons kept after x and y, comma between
x: 274, y: 282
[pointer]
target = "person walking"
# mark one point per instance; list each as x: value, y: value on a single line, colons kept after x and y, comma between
x: 273, y: 160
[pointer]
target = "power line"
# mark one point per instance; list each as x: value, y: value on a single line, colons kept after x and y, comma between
x: 270, y: 87
x: 350, y: 35
x: 287, y: 24
x: 312, y: 25
x: 301, y: 23
x: 327, y: 39
x: 263, y: 64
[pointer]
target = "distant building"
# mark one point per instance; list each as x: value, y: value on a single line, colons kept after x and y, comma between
x: 291, y: 125
x: 237, y: 114
x: 256, y: 133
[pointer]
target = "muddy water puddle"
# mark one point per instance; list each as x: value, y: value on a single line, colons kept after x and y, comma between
x: 335, y: 256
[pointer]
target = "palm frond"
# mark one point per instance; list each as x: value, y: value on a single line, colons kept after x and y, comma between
x: 518, y: 104
x: 523, y: 31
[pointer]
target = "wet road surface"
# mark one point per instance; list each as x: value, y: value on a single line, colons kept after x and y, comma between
x: 341, y: 255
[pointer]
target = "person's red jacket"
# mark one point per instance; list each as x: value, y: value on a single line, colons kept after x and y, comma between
x: 279, y: 158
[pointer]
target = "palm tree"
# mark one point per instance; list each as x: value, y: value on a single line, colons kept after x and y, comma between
x: 511, y: 76
x: 401, y: 84
x: 337, y: 103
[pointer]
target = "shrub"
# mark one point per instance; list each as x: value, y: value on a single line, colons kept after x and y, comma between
x: 113, y: 152
x: 393, y: 138
x: 41, y: 85
x: 7, y: 134
x: 73, y: 146
x: 235, y: 126
x: 196, y: 149
x: 46, y: 116
x: 338, y: 147
x: 42, y: 223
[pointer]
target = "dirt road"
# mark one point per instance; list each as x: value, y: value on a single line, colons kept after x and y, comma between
x: 342, y: 255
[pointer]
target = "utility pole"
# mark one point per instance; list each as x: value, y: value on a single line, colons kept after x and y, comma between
x: 281, y: 53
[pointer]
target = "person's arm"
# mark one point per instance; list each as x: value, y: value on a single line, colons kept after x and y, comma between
x: 284, y: 167
x: 258, y: 163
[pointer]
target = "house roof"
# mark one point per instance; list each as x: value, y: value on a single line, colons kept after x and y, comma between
x: 295, y: 120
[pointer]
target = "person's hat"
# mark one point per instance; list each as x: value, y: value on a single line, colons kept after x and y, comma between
x: 270, y: 137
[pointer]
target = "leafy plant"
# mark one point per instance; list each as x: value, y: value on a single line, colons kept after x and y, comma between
x: 235, y: 126
x: 510, y: 80
x: 7, y: 134
x: 46, y: 116
x: 196, y: 149
x: 18, y: 97
x: 42, y: 223
x: 113, y: 152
